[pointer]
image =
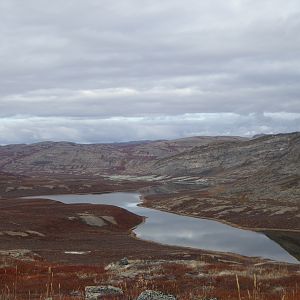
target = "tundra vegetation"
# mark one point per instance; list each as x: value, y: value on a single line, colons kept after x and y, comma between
x: 50, y: 250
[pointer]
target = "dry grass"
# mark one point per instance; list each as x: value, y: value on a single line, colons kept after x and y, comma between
x: 185, y: 279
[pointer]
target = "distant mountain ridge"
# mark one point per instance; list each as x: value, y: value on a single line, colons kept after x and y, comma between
x: 95, y: 159
x: 267, y: 166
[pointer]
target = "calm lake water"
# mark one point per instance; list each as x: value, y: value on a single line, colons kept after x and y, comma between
x: 172, y: 229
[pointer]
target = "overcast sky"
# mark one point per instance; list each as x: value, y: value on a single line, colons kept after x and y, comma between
x: 104, y: 71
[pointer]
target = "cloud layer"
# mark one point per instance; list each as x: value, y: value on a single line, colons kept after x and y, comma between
x: 97, y: 71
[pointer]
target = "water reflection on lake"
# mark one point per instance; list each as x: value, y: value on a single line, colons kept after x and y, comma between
x: 178, y: 230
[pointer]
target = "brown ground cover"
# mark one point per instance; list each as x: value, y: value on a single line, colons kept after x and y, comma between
x: 188, y: 278
x: 48, y: 249
x: 263, y: 214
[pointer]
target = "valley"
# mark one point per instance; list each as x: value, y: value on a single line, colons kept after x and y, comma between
x: 247, y: 183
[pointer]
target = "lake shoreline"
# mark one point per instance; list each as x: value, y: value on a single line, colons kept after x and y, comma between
x: 200, y: 245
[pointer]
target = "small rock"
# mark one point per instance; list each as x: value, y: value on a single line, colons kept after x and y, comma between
x: 97, y: 292
x: 154, y: 295
x: 75, y: 293
x: 124, y: 261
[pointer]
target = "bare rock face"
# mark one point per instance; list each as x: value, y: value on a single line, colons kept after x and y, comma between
x: 98, y: 292
x: 230, y: 157
x: 95, y: 159
x: 264, y: 168
x: 154, y: 295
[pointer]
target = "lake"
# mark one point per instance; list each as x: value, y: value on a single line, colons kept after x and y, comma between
x: 171, y: 229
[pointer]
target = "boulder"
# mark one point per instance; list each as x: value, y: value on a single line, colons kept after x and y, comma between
x: 97, y: 292
x: 154, y: 295
x: 124, y: 261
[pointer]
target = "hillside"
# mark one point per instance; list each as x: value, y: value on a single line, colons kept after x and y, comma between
x: 95, y: 159
x: 248, y: 182
x: 267, y: 166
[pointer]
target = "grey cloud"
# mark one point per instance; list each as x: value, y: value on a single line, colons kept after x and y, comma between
x: 159, y: 100
x: 115, y: 129
x: 103, y: 59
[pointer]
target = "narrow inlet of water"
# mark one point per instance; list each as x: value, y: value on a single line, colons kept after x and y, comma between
x: 172, y: 229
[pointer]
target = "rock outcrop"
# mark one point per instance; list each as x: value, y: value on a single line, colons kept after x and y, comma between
x: 98, y: 292
x: 154, y: 295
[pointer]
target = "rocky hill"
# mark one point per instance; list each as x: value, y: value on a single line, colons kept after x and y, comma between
x: 95, y: 159
x: 253, y: 183
x: 273, y: 151
x: 253, y: 165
